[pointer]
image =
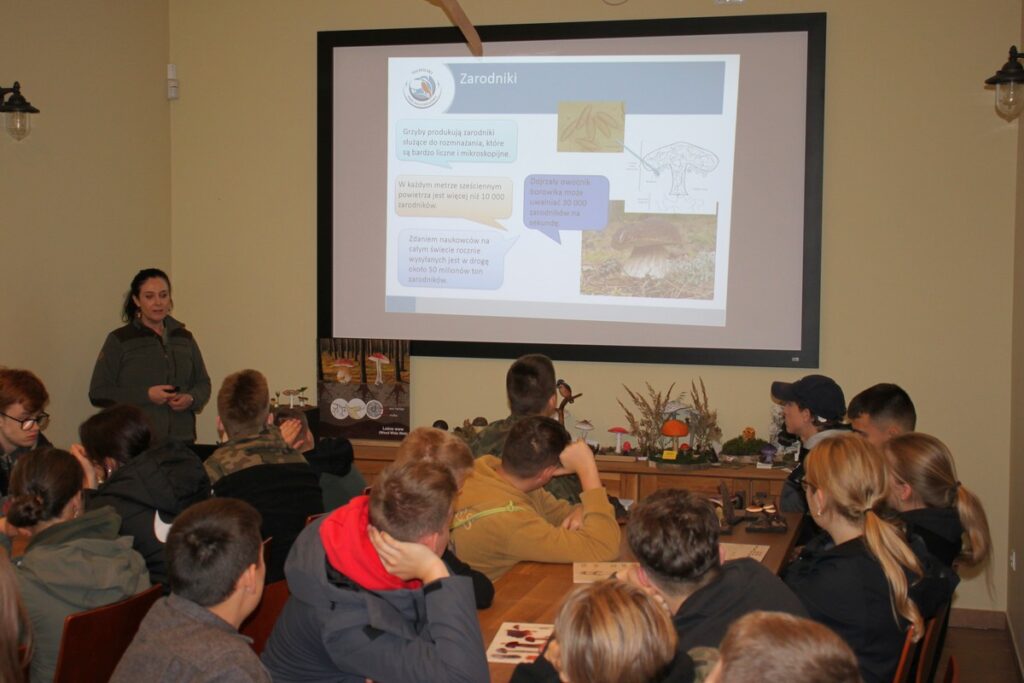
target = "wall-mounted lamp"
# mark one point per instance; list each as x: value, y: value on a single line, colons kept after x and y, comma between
x: 16, y: 110
x: 1009, y: 82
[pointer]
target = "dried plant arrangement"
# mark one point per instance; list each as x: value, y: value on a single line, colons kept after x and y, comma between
x: 703, y: 421
x: 646, y: 424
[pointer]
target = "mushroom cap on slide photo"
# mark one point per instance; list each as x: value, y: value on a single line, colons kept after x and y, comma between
x: 649, y: 242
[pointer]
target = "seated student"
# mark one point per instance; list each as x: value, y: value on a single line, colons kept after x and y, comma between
x: 446, y: 449
x: 769, y: 647
x: 331, y: 459
x: 860, y: 577
x: 674, y: 536
x: 504, y: 515
x: 257, y: 466
x: 22, y: 399
x: 73, y: 561
x: 612, y: 632
x: 370, y: 596
x: 882, y: 412
x: 147, y: 487
x: 813, y: 408
x: 934, y: 504
x: 531, y: 389
x: 215, y: 561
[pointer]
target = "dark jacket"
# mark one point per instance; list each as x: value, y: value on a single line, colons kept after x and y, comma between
x: 276, y: 480
x: 742, y: 586
x: 844, y: 588
x: 332, y: 629
x: 940, y: 530
x: 483, y: 589
x: 181, y: 641
x: 134, y: 358
x: 7, y: 461
x: 162, y: 481
x: 793, y: 498
x: 69, y: 567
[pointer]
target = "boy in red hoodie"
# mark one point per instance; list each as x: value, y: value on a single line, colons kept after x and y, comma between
x: 370, y: 596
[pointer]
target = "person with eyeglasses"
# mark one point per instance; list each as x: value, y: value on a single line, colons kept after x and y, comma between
x: 22, y: 419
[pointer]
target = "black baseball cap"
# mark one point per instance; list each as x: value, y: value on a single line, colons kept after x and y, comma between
x: 818, y: 393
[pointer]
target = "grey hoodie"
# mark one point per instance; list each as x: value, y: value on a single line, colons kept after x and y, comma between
x: 71, y: 567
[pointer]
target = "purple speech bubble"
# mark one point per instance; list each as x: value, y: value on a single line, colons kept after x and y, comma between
x: 565, y: 202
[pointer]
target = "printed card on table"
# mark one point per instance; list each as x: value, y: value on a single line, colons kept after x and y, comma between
x: 589, y: 572
x: 518, y: 642
x: 735, y: 551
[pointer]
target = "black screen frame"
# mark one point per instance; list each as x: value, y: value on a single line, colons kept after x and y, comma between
x: 813, y: 24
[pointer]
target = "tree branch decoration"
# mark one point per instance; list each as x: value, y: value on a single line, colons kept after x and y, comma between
x: 646, y: 425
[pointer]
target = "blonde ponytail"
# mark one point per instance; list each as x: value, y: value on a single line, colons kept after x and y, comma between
x: 887, y: 545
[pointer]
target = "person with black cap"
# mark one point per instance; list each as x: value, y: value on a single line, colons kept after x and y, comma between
x: 813, y: 408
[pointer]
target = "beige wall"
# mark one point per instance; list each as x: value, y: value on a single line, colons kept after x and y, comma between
x: 85, y: 199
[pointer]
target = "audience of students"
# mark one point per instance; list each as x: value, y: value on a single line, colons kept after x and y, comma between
x: 504, y: 515
x: 257, y: 466
x: 770, y: 647
x: 881, y: 412
x: 860, y: 577
x: 74, y: 560
x: 934, y: 504
x: 153, y: 362
x: 215, y: 562
x: 612, y: 632
x: 813, y: 408
x: 434, y: 445
x: 148, y: 487
x: 22, y: 419
x: 331, y: 459
x: 15, y: 627
x: 371, y: 597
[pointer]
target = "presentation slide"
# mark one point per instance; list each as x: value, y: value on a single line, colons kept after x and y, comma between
x: 589, y: 188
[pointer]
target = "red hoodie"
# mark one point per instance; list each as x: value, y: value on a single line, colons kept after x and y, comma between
x: 350, y: 551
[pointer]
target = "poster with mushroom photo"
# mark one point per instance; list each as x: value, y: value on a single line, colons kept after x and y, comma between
x: 363, y: 388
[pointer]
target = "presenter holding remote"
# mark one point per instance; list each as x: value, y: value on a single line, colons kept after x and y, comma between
x: 153, y: 362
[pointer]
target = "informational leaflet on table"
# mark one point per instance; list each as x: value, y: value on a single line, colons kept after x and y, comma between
x: 576, y: 188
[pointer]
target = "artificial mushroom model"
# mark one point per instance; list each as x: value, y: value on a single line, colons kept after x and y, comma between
x: 294, y: 395
x: 650, y: 242
x: 379, y: 359
x: 618, y: 432
x: 674, y: 429
x: 672, y: 408
x: 584, y: 426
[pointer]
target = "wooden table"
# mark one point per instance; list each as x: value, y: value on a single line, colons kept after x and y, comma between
x: 533, y: 591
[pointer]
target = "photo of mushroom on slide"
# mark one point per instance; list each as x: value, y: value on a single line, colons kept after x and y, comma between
x: 657, y: 255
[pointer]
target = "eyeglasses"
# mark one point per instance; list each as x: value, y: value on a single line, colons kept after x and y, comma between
x: 42, y: 420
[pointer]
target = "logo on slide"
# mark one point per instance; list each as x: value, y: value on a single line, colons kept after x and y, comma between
x: 422, y: 89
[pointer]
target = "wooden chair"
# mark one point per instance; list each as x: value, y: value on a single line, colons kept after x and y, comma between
x: 928, y: 651
x: 260, y: 624
x: 94, y: 641
x: 952, y: 671
x: 903, y: 669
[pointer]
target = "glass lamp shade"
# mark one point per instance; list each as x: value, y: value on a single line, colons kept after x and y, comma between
x: 1010, y: 99
x: 18, y: 124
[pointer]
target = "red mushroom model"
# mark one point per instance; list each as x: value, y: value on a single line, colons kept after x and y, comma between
x: 618, y: 432
x: 379, y: 358
x: 675, y: 429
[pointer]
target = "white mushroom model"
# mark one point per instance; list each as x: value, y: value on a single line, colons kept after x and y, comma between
x: 379, y: 359
x: 650, y: 242
x: 672, y: 407
x: 584, y: 426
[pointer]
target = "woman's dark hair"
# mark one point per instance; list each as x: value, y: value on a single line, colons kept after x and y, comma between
x: 119, y: 432
x: 130, y: 307
x: 43, y: 482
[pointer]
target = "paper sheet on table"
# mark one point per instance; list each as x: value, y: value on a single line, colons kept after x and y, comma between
x: 589, y: 572
x: 735, y: 551
x: 518, y: 642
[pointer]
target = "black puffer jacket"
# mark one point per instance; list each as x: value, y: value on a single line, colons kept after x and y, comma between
x: 148, y: 493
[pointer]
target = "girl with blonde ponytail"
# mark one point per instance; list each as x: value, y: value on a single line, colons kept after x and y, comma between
x: 934, y: 504
x: 859, y: 577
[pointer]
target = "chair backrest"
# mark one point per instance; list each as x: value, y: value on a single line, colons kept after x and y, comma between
x: 94, y: 641
x: 952, y: 671
x: 906, y: 659
x: 928, y: 652
x: 260, y: 623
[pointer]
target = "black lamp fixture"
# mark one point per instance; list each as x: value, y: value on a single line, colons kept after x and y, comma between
x: 16, y: 110
x: 1009, y: 82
